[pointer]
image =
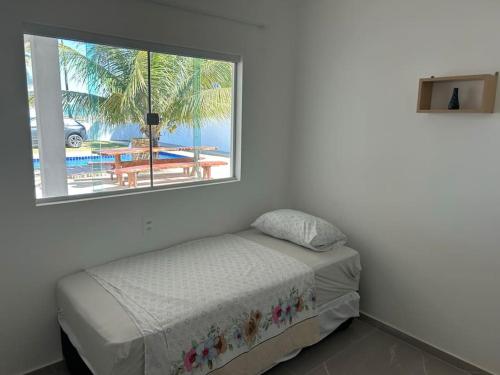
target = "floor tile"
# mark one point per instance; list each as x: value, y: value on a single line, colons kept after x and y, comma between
x: 56, y: 369
x: 312, y: 357
x: 361, y: 349
x: 319, y: 370
x: 383, y: 354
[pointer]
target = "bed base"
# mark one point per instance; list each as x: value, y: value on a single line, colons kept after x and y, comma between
x: 74, y: 362
x: 77, y: 366
x: 343, y: 326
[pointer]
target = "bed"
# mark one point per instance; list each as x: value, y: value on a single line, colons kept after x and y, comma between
x: 101, y: 335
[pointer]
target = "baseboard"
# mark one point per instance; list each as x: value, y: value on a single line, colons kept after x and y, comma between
x: 54, y: 368
x: 441, y: 354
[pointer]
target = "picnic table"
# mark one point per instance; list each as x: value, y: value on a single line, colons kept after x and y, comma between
x: 117, y: 153
x: 133, y: 171
x: 131, y: 168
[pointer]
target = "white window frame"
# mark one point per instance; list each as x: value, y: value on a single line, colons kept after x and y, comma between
x: 236, y: 115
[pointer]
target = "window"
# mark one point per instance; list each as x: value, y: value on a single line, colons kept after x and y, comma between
x: 110, y: 120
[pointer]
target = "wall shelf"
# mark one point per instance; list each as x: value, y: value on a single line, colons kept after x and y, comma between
x: 480, y: 97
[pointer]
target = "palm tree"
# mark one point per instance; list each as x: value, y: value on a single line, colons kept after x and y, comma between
x: 183, y: 89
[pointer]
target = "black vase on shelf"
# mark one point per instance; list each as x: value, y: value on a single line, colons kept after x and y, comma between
x: 454, y: 102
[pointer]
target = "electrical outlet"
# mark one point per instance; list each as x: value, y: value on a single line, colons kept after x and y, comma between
x: 147, y: 225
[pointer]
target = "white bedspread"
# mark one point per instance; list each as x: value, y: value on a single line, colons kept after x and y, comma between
x: 202, y: 303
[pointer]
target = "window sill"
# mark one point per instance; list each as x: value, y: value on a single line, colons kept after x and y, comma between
x: 115, y: 194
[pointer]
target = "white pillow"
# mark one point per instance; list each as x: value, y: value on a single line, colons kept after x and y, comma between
x: 301, y: 228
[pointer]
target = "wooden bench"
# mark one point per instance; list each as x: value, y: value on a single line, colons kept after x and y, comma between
x: 135, y: 163
x: 133, y: 171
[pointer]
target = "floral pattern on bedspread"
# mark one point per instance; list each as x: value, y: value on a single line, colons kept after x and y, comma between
x: 245, y: 332
x: 200, y: 304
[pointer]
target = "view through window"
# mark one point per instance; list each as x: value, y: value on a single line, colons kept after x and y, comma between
x: 88, y: 116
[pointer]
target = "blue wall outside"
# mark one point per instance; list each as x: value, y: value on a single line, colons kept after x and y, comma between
x: 214, y: 133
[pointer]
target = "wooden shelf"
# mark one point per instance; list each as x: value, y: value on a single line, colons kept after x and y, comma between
x: 486, y: 102
x: 439, y: 110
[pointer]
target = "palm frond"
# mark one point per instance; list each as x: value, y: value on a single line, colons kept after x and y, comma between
x: 116, y: 79
x: 86, y: 70
x: 82, y: 104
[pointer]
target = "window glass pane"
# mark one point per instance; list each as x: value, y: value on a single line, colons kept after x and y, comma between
x: 83, y: 126
x: 115, y: 81
x: 194, y: 98
x: 88, y: 105
x: 32, y: 116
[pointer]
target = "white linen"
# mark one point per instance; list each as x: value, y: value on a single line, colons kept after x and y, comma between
x: 303, y: 229
x: 336, y: 272
x: 200, y: 304
x: 121, y: 351
x: 334, y: 313
x: 104, y: 335
x: 110, y: 343
x: 331, y: 316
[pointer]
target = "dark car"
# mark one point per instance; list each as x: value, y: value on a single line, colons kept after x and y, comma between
x: 74, y: 133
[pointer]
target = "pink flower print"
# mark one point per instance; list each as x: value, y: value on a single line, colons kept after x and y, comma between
x: 277, y: 312
x: 189, y: 359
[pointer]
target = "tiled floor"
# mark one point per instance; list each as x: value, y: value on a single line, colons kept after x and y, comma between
x: 360, y: 350
x: 364, y: 350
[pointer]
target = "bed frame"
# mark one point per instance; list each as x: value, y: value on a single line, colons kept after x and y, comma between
x: 74, y: 362
x: 77, y: 366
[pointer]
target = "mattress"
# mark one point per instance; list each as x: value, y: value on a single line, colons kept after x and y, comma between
x: 336, y: 272
x: 109, y: 341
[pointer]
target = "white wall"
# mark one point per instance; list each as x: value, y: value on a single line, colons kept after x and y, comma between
x: 40, y: 245
x: 418, y: 194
